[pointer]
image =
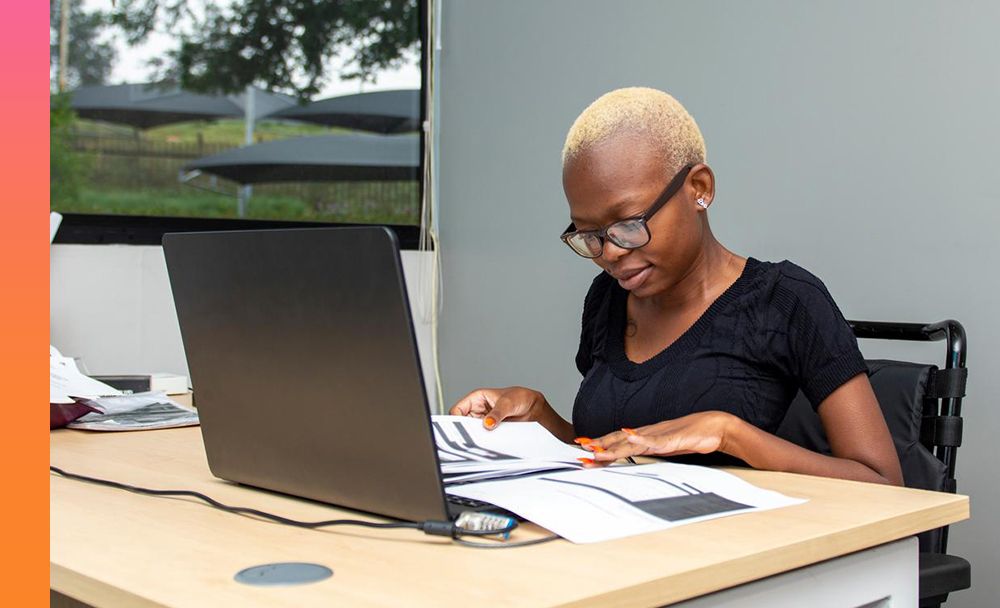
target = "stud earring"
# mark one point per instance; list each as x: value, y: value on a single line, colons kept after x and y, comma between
x: 701, y: 203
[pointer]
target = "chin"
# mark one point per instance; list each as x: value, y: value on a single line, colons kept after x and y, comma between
x: 655, y: 284
x: 642, y: 292
x: 648, y: 288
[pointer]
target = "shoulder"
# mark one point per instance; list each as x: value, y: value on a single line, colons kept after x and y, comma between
x: 796, y: 278
x: 788, y: 286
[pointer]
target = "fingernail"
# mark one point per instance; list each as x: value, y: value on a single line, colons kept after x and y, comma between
x: 629, y: 431
x: 582, y: 440
x: 489, y: 422
x: 596, y: 448
x: 586, y: 460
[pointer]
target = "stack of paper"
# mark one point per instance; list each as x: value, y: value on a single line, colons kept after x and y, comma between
x: 522, y: 468
x: 66, y: 381
x: 110, y: 410
x: 468, y: 452
x: 602, y: 504
x: 136, y: 412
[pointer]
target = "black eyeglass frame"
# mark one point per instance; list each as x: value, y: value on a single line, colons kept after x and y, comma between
x: 668, y: 193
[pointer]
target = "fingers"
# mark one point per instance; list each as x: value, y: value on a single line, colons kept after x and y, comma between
x: 494, y: 405
x: 607, y: 442
x: 590, y: 463
x: 618, y: 450
x: 660, y: 439
x: 699, y: 433
x: 476, y: 404
x: 609, y: 448
x: 510, y: 405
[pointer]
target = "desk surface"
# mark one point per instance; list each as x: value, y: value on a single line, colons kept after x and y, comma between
x: 110, y: 547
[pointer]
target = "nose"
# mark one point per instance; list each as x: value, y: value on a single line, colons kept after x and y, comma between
x: 612, y: 253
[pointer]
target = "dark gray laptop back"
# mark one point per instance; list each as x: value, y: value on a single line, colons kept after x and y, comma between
x: 305, y: 367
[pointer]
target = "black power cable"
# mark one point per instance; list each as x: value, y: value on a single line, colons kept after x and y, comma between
x: 438, y: 528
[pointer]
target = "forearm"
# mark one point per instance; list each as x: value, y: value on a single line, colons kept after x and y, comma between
x: 762, y: 450
x: 556, y: 425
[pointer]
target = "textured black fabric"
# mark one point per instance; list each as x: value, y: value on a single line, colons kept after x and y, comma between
x: 775, y: 331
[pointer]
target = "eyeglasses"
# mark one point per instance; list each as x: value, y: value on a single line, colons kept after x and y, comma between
x: 630, y: 233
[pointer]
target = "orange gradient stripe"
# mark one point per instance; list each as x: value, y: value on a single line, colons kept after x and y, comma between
x: 24, y: 165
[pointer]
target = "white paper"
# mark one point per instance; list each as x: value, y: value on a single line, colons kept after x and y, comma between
x: 527, y: 440
x: 130, y: 402
x: 139, y: 411
x: 467, y: 451
x: 55, y: 218
x: 66, y: 381
x: 594, y: 505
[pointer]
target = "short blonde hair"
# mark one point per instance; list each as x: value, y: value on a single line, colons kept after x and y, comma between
x: 638, y: 110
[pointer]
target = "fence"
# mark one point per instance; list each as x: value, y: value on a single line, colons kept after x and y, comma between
x: 135, y: 163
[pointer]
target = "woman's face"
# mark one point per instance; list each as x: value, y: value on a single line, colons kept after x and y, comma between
x: 620, y: 178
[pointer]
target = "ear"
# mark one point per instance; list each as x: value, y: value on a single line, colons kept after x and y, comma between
x: 701, y: 185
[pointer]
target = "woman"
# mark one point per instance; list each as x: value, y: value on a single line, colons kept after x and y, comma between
x: 686, y: 347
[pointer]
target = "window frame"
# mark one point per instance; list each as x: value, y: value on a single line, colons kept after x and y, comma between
x: 121, y: 229
x: 109, y: 229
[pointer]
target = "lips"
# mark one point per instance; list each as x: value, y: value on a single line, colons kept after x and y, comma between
x: 632, y: 278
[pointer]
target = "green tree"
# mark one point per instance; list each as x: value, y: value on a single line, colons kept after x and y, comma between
x: 67, y: 169
x: 91, y: 53
x: 283, y: 45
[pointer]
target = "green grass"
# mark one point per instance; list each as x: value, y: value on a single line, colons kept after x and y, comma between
x: 227, y: 132
x: 120, y: 182
x: 194, y: 203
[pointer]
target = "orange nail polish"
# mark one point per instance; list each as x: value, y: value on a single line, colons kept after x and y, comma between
x: 598, y: 449
x: 629, y: 431
x: 489, y: 422
x: 582, y: 440
x: 586, y: 460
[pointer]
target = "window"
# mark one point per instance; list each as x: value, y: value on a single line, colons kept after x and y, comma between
x: 219, y: 114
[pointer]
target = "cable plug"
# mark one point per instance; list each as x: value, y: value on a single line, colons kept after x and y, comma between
x: 478, y: 523
x: 439, y: 528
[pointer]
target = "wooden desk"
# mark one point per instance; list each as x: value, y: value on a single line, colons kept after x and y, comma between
x: 114, y: 548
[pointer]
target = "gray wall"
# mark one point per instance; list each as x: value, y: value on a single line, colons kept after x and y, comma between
x: 111, y: 306
x: 858, y: 139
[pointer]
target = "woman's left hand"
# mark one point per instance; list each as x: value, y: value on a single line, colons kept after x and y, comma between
x: 700, y: 433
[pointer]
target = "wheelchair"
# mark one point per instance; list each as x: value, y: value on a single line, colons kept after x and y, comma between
x: 922, y: 405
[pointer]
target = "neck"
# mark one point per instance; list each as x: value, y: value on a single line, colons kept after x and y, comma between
x: 713, y: 270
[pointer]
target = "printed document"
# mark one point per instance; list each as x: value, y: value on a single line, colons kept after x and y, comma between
x: 136, y: 412
x: 594, y: 505
x: 469, y: 452
x: 523, y: 468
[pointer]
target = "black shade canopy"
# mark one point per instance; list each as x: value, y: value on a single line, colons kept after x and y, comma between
x: 378, y: 112
x: 150, y: 105
x: 352, y: 157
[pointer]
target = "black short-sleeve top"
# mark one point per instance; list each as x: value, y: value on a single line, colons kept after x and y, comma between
x: 774, y: 331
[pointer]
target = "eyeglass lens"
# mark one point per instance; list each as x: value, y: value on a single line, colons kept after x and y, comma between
x: 627, y: 234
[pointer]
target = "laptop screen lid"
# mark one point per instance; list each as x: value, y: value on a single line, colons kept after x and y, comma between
x: 307, y: 377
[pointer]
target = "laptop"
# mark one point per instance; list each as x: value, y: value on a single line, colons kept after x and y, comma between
x: 301, y: 349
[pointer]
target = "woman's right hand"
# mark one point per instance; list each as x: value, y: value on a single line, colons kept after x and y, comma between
x: 515, y: 403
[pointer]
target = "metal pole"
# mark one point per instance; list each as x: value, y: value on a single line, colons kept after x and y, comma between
x: 246, y: 191
x: 241, y: 200
x: 63, y: 43
x: 248, y: 114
